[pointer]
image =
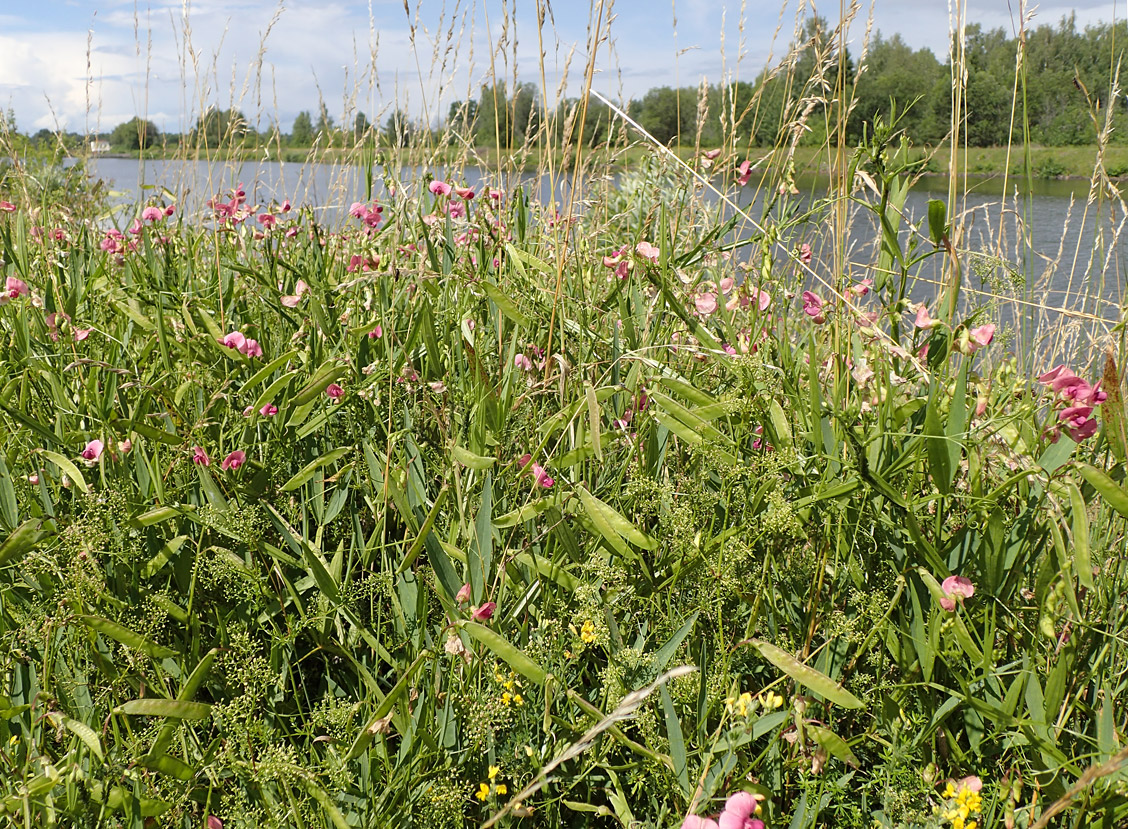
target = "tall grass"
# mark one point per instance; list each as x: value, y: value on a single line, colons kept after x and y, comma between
x: 634, y: 506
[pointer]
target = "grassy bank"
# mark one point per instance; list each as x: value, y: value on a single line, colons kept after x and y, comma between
x: 467, y: 514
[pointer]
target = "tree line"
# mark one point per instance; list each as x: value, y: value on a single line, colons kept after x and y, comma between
x: 1066, y: 75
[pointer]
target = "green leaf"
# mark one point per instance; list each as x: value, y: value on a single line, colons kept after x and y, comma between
x: 807, y: 676
x: 1114, y: 494
x: 1082, y: 561
x: 81, y: 730
x: 168, y: 766
x: 469, y: 459
x: 21, y: 541
x: 330, y: 808
x: 69, y: 469
x: 170, y: 549
x: 504, y: 303
x: 835, y: 746
x: 371, y: 729
x: 513, y: 656
x: 154, y: 707
x: 9, y: 511
x: 311, y: 468
x: 937, y: 221
x: 126, y: 636
x: 523, y: 514
x: 321, y: 380
x: 607, y: 519
x: 677, y: 742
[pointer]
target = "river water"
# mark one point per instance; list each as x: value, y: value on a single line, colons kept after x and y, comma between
x: 1057, y: 257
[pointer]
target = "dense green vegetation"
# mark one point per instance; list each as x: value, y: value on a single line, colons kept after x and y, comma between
x: 459, y: 511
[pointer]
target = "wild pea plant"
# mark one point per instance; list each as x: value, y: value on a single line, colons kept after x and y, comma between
x: 339, y: 526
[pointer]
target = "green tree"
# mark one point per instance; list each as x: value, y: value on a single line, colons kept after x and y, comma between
x: 361, y: 127
x: 220, y: 126
x: 398, y: 129
x: 301, y: 134
x: 134, y: 134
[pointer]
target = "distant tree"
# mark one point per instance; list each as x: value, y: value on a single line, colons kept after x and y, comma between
x: 220, y: 126
x: 301, y: 134
x: 462, y: 115
x: 134, y: 134
x: 361, y: 127
x: 398, y: 129
x: 324, y: 129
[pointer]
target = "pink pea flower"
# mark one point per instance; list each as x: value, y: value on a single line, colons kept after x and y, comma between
x: 292, y: 300
x: 983, y: 335
x: 92, y: 452
x: 376, y: 333
x: 523, y: 362
x: 152, y: 214
x: 971, y: 783
x: 268, y: 410
x: 234, y: 340
x: 335, y: 392
x: 744, y: 172
x: 7, y: 207
x: 251, y: 348
x: 286, y: 206
x: 541, y: 477
x: 200, y: 457
x: 862, y: 288
x: 805, y: 253
x: 495, y: 195
x: 813, y: 306
x: 439, y: 188
x: 168, y: 211
x: 647, y: 251
x: 214, y: 822
x: 464, y: 193
x: 81, y: 334
x: 706, y: 304
x: 923, y: 320
x: 739, y: 811
x: 764, y: 300
x: 267, y: 219
x: 956, y: 589
x: 124, y: 446
x: 696, y: 822
x: 484, y: 613
x: 463, y: 594
x: 358, y: 210
x: 13, y: 288
x: 234, y: 460
x: 712, y: 154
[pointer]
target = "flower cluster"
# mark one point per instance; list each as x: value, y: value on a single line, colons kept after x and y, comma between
x: 963, y: 803
x: 491, y: 787
x: 1078, y: 400
x: 738, y: 813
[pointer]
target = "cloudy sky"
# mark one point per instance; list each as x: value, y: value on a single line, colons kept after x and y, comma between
x: 88, y: 65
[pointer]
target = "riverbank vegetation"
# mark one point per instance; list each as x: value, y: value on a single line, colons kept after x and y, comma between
x: 629, y: 508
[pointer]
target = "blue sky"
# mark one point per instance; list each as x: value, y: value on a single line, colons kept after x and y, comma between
x: 88, y: 65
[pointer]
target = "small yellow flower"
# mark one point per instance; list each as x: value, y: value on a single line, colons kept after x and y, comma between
x: 493, y: 772
x: 483, y: 792
x: 506, y: 698
x: 587, y: 632
x: 518, y: 699
x: 500, y: 789
x: 740, y: 706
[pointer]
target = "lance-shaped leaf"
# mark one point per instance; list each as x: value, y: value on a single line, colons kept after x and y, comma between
x: 807, y: 676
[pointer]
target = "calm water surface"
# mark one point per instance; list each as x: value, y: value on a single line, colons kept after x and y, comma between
x: 1058, y: 256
